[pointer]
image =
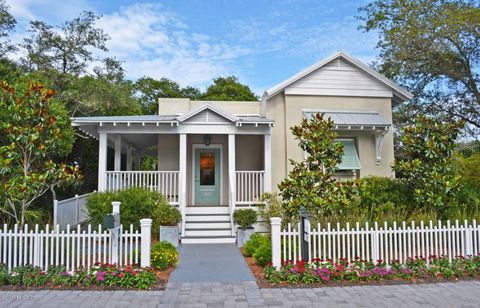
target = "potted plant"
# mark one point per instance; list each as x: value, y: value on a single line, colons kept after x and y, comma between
x: 244, y: 218
x: 169, y: 217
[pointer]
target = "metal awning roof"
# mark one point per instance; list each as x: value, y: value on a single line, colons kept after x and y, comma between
x: 353, y: 119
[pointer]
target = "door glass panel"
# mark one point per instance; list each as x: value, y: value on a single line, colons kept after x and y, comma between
x: 207, y: 168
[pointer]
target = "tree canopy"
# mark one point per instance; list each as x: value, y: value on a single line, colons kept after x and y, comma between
x: 228, y: 89
x: 149, y: 90
x: 433, y: 48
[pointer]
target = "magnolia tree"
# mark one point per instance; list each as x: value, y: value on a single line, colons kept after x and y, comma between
x: 311, y: 183
x: 37, y: 133
x: 428, y: 167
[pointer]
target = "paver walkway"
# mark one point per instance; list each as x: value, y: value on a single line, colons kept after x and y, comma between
x: 246, y: 294
x: 211, y: 263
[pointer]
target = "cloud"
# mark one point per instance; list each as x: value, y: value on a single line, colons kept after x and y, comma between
x: 154, y: 42
x: 311, y: 38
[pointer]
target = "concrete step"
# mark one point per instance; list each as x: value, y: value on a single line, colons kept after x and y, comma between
x: 207, y: 210
x: 208, y: 225
x: 208, y: 240
x: 208, y: 232
x: 206, y: 217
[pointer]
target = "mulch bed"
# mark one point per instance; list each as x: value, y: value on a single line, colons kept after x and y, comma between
x: 263, y: 283
x: 162, y: 279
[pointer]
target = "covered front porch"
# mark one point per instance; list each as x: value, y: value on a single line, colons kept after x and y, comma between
x: 205, y: 162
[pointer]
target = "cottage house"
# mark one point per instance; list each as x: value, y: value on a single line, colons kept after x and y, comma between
x: 214, y: 157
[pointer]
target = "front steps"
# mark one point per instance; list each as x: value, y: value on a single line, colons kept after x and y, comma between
x: 208, y: 225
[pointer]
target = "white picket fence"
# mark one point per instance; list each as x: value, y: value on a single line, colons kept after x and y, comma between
x: 378, y: 242
x: 73, y: 248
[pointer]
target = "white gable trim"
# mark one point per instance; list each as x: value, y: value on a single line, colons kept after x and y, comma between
x: 397, y: 90
x: 212, y: 108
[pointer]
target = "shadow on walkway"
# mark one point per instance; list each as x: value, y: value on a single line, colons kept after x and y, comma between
x: 211, y: 263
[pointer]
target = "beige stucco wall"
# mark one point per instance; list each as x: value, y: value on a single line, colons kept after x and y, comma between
x: 173, y: 106
x: 249, y: 152
x: 275, y: 110
x: 168, y: 151
x: 287, y: 111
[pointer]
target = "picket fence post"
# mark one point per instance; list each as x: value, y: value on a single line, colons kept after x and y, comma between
x: 145, y: 242
x: 375, y: 246
x: 275, y: 223
x: 55, y: 212
x: 115, y: 234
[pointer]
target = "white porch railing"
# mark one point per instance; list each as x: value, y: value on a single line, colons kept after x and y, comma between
x: 70, y: 211
x: 250, y: 186
x: 165, y: 182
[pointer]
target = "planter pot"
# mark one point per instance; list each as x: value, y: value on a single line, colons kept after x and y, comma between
x: 170, y: 234
x: 243, y: 235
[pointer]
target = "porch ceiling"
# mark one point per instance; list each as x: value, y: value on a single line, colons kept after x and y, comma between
x: 140, y: 141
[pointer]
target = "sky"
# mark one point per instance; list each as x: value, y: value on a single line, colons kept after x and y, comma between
x: 193, y: 41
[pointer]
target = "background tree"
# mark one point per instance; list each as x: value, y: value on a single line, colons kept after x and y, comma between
x: 433, y: 48
x: 37, y: 129
x: 228, y: 89
x: 311, y: 182
x: 67, y: 48
x: 149, y: 90
x: 428, y: 165
x: 7, y: 23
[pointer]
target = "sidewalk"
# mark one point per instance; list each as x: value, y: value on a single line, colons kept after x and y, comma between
x: 246, y: 294
x: 211, y: 263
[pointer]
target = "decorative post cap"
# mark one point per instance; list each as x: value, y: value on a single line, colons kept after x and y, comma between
x: 116, y: 207
x: 275, y: 220
x: 145, y: 222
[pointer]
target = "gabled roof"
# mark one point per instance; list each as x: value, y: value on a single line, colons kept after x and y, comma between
x: 398, y: 91
x: 210, y: 107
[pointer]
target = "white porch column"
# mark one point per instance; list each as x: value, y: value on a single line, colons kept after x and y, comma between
x: 232, y: 176
x: 183, y: 178
x: 267, y: 150
x: 129, y: 157
x: 138, y: 160
x: 118, y: 153
x: 102, y: 160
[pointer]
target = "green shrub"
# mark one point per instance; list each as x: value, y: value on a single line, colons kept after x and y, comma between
x: 271, y: 206
x: 245, y: 218
x: 137, y: 203
x: 255, y: 241
x: 263, y: 254
x: 382, y: 195
x: 163, y: 255
x: 168, y: 215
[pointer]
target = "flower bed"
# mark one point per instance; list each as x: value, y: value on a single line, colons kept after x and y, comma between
x: 100, y: 276
x: 321, y: 272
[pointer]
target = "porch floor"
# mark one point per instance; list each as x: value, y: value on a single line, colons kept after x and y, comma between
x: 211, y: 263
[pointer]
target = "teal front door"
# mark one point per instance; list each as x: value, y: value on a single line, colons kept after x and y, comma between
x: 207, y: 176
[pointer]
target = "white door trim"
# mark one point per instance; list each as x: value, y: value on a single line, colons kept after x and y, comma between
x: 203, y: 146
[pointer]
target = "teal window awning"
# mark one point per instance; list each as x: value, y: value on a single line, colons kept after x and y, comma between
x: 350, y: 160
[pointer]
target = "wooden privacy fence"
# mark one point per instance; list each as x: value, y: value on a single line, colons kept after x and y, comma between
x: 394, y: 242
x: 70, y: 211
x: 74, y: 248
